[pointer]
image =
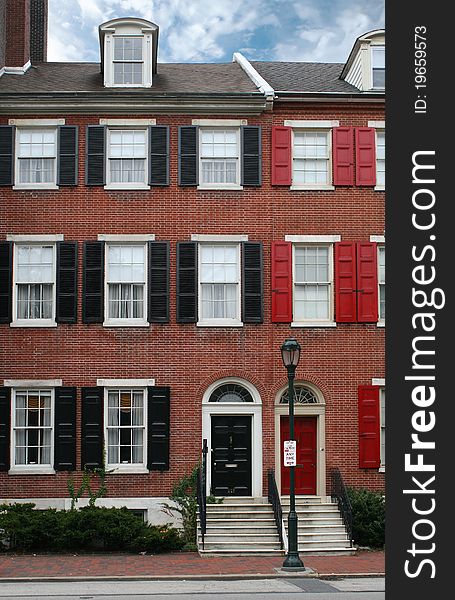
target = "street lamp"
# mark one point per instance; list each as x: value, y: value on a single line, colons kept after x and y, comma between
x: 290, y: 353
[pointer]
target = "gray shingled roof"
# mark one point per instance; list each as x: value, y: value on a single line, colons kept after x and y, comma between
x: 304, y: 77
x: 173, y: 78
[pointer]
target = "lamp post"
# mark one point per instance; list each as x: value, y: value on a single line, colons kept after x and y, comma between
x: 290, y: 353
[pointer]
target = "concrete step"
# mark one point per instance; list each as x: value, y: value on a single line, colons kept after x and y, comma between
x: 219, y: 521
x: 302, y: 529
x: 262, y: 538
x: 304, y: 538
x: 240, y: 514
x: 242, y: 545
x: 240, y: 552
x: 251, y: 506
x: 241, y: 530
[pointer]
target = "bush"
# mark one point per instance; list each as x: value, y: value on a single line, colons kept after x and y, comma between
x: 90, y: 528
x: 368, y: 515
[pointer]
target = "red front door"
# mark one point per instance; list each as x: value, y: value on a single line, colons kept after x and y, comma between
x: 305, y: 470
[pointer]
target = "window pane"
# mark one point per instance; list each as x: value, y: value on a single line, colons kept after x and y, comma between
x: 33, y: 427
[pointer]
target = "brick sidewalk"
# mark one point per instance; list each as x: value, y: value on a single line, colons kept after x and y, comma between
x: 178, y: 565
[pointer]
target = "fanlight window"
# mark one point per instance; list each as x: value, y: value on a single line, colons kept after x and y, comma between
x: 231, y: 392
x: 302, y: 395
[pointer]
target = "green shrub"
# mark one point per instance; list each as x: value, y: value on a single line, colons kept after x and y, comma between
x: 368, y: 515
x: 90, y: 528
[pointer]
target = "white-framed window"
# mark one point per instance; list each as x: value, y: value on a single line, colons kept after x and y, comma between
x: 36, y: 157
x: 32, y: 430
x: 312, y: 283
x: 219, y: 157
x: 378, y: 67
x: 380, y: 158
x: 127, y: 164
x: 381, y: 282
x: 311, y: 150
x: 128, y: 60
x: 219, y: 283
x: 125, y: 428
x: 126, y: 284
x: 34, y: 284
x: 382, y: 424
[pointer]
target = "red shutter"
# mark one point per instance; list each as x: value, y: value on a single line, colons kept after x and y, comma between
x: 281, y: 155
x: 345, y: 282
x: 343, y: 156
x: 367, y: 282
x: 365, y: 140
x: 281, y: 282
x: 369, y: 425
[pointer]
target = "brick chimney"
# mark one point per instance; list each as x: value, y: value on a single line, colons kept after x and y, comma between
x: 23, y: 34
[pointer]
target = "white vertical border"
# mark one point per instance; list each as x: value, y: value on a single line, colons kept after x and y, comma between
x: 303, y: 410
x: 236, y: 408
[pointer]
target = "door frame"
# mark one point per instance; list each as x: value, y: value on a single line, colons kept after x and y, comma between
x: 304, y: 410
x: 236, y: 408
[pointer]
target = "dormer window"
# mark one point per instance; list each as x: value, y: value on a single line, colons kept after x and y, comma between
x: 378, y: 66
x: 128, y: 52
x: 128, y: 62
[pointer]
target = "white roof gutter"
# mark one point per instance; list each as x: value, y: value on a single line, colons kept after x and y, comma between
x: 258, y: 81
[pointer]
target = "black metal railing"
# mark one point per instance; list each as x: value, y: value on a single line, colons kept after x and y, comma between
x: 274, y: 499
x: 202, y: 492
x: 340, y: 494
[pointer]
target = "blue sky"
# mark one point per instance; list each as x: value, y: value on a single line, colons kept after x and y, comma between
x: 211, y: 30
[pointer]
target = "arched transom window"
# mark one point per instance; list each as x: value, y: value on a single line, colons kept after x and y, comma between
x: 231, y: 392
x: 302, y: 395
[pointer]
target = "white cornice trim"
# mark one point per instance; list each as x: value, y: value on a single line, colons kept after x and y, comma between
x: 36, y: 122
x: 17, y: 70
x: 219, y: 122
x: 257, y: 79
x: 125, y: 382
x: 380, y: 239
x: 311, y: 124
x: 133, y: 237
x: 202, y: 237
x: 378, y: 381
x: 32, y: 383
x: 127, y: 122
x: 12, y: 237
x: 312, y: 238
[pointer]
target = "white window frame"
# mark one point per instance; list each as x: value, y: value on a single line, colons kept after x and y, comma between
x: 129, y: 467
x: 39, y: 469
x: 374, y: 47
x: 315, y: 322
x: 37, y: 126
x: 379, y: 186
x: 220, y: 186
x: 133, y: 322
x: 116, y: 61
x: 237, y: 321
x: 321, y: 126
x: 137, y: 32
x: 131, y: 185
x: 16, y: 322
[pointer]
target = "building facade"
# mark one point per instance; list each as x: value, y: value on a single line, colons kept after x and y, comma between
x: 164, y: 228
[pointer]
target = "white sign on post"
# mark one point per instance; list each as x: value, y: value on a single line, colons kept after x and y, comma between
x: 290, y: 451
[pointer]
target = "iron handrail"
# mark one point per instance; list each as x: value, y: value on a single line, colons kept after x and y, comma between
x: 274, y: 499
x: 201, y: 483
x: 340, y: 494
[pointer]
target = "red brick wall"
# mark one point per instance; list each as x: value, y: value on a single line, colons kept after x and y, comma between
x: 17, y: 33
x: 183, y: 356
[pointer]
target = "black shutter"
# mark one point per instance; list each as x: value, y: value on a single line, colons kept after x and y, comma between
x: 6, y: 154
x: 92, y: 427
x: 66, y: 282
x: 6, y: 281
x: 188, y: 155
x: 67, y: 155
x: 158, y: 420
x: 158, y: 282
x: 93, y: 301
x: 65, y: 429
x: 186, y: 282
x: 252, y: 283
x: 5, y: 420
x: 159, y: 155
x: 251, y: 155
x: 95, y: 163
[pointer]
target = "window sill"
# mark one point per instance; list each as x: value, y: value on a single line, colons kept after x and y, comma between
x: 126, y: 323
x: 314, y: 324
x: 220, y: 323
x: 119, y: 469
x: 381, y: 324
x: 36, y: 188
x: 33, y: 323
x: 379, y: 188
x: 309, y: 188
x: 30, y: 470
x: 381, y: 469
x: 124, y: 188
x: 220, y: 188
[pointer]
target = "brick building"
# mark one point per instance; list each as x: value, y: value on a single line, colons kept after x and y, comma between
x: 164, y: 228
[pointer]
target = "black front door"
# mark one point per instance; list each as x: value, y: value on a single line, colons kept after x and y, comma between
x: 231, y: 455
